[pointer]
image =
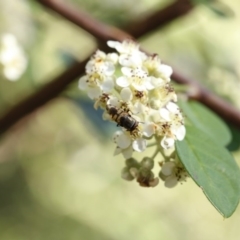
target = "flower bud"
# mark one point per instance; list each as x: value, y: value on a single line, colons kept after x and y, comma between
x: 132, y: 163
x: 154, y: 182
x: 162, y: 176
x: 126, y: 175
x: 146, y: 178
x: 134, y: 172
x: 147, y: 163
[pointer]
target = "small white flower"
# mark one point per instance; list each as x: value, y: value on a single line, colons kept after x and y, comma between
x: 173, y: 127
x: 139, y: 144
x: 113, y: 101
x: 108, y: 69
x: 101, y: 63
x: 99, y: 79
x: 148, y: 129
x: 94, y: 92
x: 173, y: 108
x: 122, y: 139
x: 83, y: 82
x: 126, y: 94
x: 137, y: 78
x: 96, y: 86
x: 9, y: 40
x: 179, y: 132
x: 172, y: 173
x: 117, y: 45
x: 156, y: 82
x: 130, y: 56
x: 139, y: 108
x: 107, y: 85
x: 112, y: 57
x: 165, y: 70
x: 127, y: 47
x: 125, y: 143
x: 154, y: 68
x: 12, y: 57
x: 165, y: 114
x: 123, y: 81
x: 162, y: 95
x: 140, y: 100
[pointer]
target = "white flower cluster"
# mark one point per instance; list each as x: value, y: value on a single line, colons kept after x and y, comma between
x: 134, y: 90
x: 172, y: 172
x: 12, y: 57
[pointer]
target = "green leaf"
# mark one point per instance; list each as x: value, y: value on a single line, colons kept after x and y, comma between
x: 212, y: 168
x: 206, y: 121
x: 234, y: 145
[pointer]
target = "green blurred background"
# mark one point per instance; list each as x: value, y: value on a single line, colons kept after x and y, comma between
x: 58, y: 177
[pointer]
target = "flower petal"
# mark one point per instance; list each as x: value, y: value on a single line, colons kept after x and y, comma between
x: 122, y: 81
x: 171, y: 182
x: 127, y: 152
x: 156, y: 82
x: 117, y: 151
x: 82, y: 84
x: 164, y: 113
x: 113, y: 101
x: 167, y: 168
x: 127, y: 71
x: 123, y: 140
x: 108, y: 69
x: 126, y: 94
x: 113, y: 57
x: 181, y: 132
x: 172, y: 107
x: 148, y: 129
x: 167, y: 142
x: 113, y: 44
x: 166, y: 70
x: 139, y: 144
x: 108, y: 85
x: 94, y: 93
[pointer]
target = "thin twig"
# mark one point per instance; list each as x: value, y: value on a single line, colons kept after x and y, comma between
x: 160, y: 18
x: 82, y: 19
x: 42, y: 96
x: 197, y: 92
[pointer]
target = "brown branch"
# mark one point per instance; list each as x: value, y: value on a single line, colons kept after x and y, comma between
x: 160, y: 18
x: 221, y: 107
x: 82, y: 19
x: 42, y: 96
x: 217, y: 104
x: 103, y: 32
